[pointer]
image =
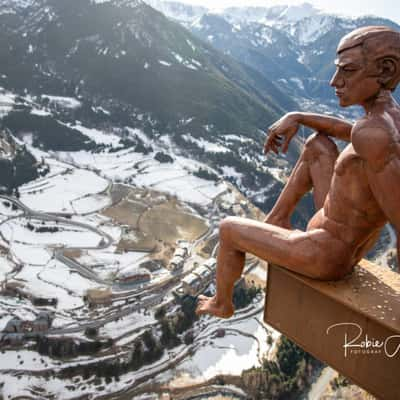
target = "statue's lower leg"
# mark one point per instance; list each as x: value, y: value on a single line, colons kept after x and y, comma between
x: 313, y: 170
x: 230, y: 267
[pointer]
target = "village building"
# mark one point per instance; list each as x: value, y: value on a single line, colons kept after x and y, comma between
x: 192, y: 284
x: 183, y: 244
x: 177, y: 262
x: 210, y: 264
x: 12, y: 339
x: 203, y: 273
x: 180, y: 252
x: 14, y: 325
x: 133, y: 274
x: 43, y: 322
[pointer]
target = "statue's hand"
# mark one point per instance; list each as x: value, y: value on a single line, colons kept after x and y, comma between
x: 281, y: 133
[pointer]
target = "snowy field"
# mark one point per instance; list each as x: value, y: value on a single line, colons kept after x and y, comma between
x: 243, y: 347
x: 6, y: 209
x: 55, y: 280
x: 107, y: 263
x: 6, y: 266
x: 17, y: 231
x: 144, y: 171
x: 66, y: 190
x: 124, y: 326
x: 65, y: 102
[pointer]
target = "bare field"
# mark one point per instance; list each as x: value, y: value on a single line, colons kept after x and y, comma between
x: 150, y: 217
x: 126, y: 212
x: 169, y: 222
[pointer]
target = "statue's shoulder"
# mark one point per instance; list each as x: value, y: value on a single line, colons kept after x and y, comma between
x: 375, y: 139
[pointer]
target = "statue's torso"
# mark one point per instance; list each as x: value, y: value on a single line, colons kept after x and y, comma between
x: 351, y: 211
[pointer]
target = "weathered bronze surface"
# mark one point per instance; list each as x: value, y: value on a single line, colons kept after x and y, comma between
x: 352, y: 324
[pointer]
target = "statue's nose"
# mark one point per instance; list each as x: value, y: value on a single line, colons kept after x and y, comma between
x: 336, y: 80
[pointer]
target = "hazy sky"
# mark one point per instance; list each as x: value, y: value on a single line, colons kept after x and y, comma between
x: 381, y: 8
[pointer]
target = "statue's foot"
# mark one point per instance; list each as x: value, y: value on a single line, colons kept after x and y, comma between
x: 278, y: 221
x: 209, y: 305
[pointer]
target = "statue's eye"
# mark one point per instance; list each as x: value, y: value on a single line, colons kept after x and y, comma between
x: 349, y: 69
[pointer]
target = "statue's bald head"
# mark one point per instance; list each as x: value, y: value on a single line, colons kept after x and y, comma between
x: 380, y: 45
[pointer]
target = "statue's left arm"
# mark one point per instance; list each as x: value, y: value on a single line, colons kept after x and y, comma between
x: 378, y: 145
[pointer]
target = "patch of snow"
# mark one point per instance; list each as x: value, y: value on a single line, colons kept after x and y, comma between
x: 296, y: 13
x: 242, y: 347
x: 298, y: 82
x: 127, y: 324
x: 6, y: 266
x: 66, y: 102
x: 197, y: 63
x: 191, y: 66
x: 30, y: 254
x: 193, y: 47
x: 178, y: 57
x: 101, y: 109
x: 96, y: 135
x: 241, y: 139
x: 165, y: 63
x: 206, y: 145
x: 7, y: 101
x: 40, y: 112
x: 90, y: 204
x: 231, y: 171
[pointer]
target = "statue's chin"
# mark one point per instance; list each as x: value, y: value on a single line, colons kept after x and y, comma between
x: 344, y: 103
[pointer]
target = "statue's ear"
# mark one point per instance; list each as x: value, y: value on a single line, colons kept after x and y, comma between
x: 389, y: 69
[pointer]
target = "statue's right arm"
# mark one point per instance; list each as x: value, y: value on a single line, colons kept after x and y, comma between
x: 331, y: 126
x: 282, y: 131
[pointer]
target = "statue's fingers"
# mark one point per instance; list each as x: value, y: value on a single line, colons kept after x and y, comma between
x: 286, y: 144
x: 274, y: 147
x: 267, y: 144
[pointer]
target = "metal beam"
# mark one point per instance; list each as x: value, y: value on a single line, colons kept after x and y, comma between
x: 353, y: 325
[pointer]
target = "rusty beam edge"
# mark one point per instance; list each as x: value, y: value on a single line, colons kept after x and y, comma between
x: 298, y: 277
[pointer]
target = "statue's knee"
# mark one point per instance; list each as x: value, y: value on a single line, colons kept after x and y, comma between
x: 226, y: 226
x: 320, y: 144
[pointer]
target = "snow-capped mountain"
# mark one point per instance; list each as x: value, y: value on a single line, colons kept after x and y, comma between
x: 292, y: 45
x: 178, y: 11
x: 271, y: 15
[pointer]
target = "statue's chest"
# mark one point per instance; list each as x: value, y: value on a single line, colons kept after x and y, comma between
x: 348, y: 162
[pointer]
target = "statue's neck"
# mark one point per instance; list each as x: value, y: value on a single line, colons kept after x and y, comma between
x: 381, y: 102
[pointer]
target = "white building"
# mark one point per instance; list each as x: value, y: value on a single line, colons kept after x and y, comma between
x: 191, y: 284
x: 210, y: 264
x: 203, y: 273
x: 176, y: 263
x: 133, y: 274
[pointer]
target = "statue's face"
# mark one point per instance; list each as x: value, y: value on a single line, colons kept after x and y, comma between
x: 353, y: 80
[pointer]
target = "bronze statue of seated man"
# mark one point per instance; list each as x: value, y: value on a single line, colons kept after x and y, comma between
x: 355, y: 192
